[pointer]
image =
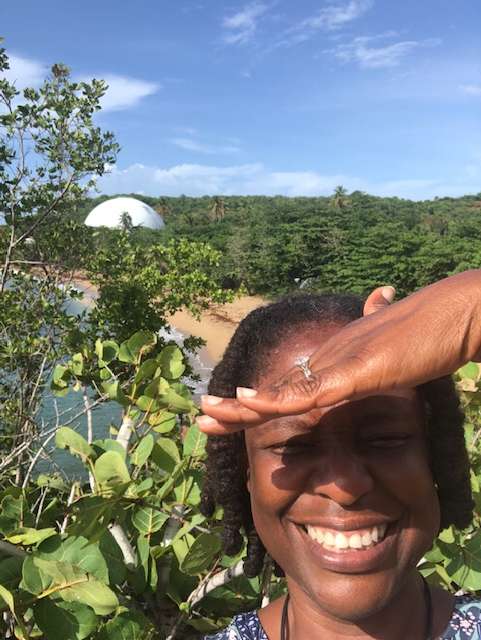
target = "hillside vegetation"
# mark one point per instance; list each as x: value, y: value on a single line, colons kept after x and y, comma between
x: 354, y: 242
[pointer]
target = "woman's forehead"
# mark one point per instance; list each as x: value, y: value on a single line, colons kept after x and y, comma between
x: 300, y: 343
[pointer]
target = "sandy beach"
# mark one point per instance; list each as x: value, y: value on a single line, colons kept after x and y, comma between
x: 217, y: 324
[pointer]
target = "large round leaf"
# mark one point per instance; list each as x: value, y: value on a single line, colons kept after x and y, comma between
x: 201, y: 553
x: 66, y: 620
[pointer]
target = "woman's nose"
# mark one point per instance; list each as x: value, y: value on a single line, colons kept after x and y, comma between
x: 341, y: 476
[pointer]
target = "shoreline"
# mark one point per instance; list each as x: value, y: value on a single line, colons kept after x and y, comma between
x: 216, y: 325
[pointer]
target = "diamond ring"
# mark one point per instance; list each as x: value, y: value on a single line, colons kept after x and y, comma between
x: 303, y: 364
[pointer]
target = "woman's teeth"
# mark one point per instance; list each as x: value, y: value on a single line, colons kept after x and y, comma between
x: 359, y: 539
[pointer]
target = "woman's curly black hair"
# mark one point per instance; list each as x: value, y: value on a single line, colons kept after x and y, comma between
x: 257, y: 335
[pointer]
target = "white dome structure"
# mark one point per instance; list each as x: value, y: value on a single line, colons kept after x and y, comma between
x: 109, y: 214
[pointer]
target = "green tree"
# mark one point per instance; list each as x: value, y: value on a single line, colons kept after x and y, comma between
x: 50, y: 152
x: 340, y: 199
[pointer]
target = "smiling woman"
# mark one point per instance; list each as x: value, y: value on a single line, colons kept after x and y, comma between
x: 345, y: 498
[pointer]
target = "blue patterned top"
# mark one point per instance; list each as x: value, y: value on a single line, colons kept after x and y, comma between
x: 465, y: 624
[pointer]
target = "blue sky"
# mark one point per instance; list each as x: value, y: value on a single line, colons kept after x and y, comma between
x: 271, y: 96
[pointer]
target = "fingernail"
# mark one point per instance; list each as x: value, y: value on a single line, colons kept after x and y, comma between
x: 206, y: 421
x: 211, y: 400
x: 245, y: 392
x: 388, y: 293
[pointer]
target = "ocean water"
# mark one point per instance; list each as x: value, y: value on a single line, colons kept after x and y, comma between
x: 63, y: 411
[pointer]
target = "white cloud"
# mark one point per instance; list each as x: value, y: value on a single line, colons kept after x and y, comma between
x: 367, y: 56
x: 337, y: 15
x: 189, y: 144
x: 124, y: 92
x: 25, y: 72
x: 471, y: 89
x: 241, y: 26
x: 330, y: 18
x: 256, y: 179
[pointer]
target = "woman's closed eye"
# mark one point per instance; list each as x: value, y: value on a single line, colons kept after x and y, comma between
x: 290, y: 448
x: 386, y: 441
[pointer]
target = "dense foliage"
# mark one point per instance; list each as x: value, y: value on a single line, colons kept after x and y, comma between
x: 342, y: 243
x: 126, y: 549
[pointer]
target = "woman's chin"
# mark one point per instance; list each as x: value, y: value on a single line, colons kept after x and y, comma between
x: 356, y: 599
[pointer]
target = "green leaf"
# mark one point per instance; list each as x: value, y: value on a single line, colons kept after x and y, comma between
x: 143, y: 450
x: 69, y: 582
x: 77, y: 364
x: 201, y: 553
x: 471, y: 370
x: 67, y: 438
x: 110, y: 469
x: 147, y: 403
x: 66, y: 620
x: 140, y: 489
x: 162, y: 421
x: 195, y: 442
x: 139, y: 579
x: 93, y: 593
x: 165, y: 454
x: 114, y: 392
x: 465, y: 568
x: 158, y: 387
x: 146, y: 370
x: 175, y: 402
x: 172, y: 362
x: 148, y: 520
x: 13, y: 510
x: 196, y: 519
x: 77, y: 551
x: 132, y: 349
x: 114, y: 559
x: 33, y: 580
x: 92, y: 517
x: 53, y: 481
x: 8, y: 598
x: 101, y: 446
x: 61, y: 376
x: 108, y: 351
x: 128, y: 625
x: 105, y: 375
x: 27, y: 535
x: 11, y: 572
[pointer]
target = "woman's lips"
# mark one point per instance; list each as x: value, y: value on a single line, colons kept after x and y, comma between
x: 339, y: 551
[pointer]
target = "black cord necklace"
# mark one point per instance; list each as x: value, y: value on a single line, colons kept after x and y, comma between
x: 428, y: 633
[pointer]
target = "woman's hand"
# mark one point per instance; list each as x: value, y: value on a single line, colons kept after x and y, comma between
x: 424, y: 336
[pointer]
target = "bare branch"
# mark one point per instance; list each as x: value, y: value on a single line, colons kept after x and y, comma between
x: 46, y: 213
x: 121, y: 539
x: 125, y: 432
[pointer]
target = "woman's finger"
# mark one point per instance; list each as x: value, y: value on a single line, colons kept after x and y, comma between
x: 213, y: 427
x: 228, y: 410
x: 294, y: 396
x: 379, y: 299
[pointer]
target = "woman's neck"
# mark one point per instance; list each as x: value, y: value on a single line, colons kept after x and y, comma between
x: 403, y: 617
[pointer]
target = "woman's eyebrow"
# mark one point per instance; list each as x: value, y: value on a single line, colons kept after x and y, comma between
x: 283, y: 428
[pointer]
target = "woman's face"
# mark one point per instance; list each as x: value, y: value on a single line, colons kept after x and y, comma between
x: 342, y: 497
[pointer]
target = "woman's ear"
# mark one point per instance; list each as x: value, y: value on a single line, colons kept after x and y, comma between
x: 248, y: 479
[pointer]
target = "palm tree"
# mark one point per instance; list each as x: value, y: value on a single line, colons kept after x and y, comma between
x: 340, y: 198
x: 217, y: 211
